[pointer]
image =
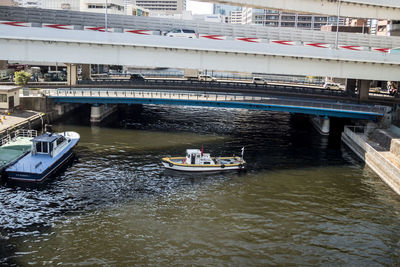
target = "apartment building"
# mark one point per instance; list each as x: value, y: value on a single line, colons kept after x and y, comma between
x: 163, y: 7
x: 275, y: 18
x: 236, y: 17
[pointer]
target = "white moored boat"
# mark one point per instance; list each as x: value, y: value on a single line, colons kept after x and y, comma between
x: 197, y: 161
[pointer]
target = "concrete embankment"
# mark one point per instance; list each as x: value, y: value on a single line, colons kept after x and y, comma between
x: 21, y: 119
x: 380, y: 149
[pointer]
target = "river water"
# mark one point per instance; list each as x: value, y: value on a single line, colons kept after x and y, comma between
x: 305, y: 199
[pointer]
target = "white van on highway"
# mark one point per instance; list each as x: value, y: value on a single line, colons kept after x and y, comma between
x: 207, y: 78
x: 186, y: 33
x: 259, y: 80
x: 330, y: 85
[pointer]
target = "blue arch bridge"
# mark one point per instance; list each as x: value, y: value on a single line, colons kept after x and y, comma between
x: 323, y: 108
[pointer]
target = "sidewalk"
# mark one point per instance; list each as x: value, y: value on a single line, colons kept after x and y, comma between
x: 17, y: 118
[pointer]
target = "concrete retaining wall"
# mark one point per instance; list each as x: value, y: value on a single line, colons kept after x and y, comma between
x: 388, y: 172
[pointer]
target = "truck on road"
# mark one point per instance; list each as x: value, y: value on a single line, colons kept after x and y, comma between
x: 191, y: 74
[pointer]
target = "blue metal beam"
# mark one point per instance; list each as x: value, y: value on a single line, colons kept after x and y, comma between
x: 220, y: 104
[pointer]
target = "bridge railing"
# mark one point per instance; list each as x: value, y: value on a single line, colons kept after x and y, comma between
x: 210, y: 96
x: 218, y: 85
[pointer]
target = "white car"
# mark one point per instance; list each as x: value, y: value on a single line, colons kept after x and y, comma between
x: 207, y: 78
x: 182, y: 33
x: 330, y: 85
x: 259, y: 80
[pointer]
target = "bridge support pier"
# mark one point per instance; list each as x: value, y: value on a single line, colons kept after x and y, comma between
x: 86, y: 72
x: 351, y: 85
x: 3, y: 64
x: 321, y: 124
x: 363, y: 89
x: 100, y: 112
x: 72, y: 74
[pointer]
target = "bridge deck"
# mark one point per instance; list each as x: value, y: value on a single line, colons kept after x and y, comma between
x: 222, y: 100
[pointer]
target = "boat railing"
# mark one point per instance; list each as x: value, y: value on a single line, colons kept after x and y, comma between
x: 18, y: 133
x: 5, y: 140
x: 25, y: 133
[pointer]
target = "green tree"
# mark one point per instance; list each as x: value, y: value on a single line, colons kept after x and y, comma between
x: 22, y: 77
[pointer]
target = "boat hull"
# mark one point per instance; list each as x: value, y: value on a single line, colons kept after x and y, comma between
x: 40, y: 177
x: 170, y: 164
x: 38, y: 167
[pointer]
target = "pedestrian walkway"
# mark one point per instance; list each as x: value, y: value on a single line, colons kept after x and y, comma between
x: 17, y: 119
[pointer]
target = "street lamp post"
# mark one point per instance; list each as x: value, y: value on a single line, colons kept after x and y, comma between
x: 337, y: 24
x: 105, y: 23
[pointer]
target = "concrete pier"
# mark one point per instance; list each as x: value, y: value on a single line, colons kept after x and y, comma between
x: 379, y: 148
x: 100, y: 112
x: 321, y: 124
x: 350, y: 87
x: 72, y: 74
x: 363, y: 89
x: 3, y: 64
x: 86, y: 72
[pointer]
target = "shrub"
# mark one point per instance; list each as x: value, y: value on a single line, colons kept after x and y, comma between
x: 22, y: 77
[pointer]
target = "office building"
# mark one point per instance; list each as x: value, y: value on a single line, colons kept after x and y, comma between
x: 163, y: 7
x: 225, y: 10
x: 275, y: 18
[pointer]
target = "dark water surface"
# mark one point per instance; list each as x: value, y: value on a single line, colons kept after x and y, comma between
x: 305, y: 199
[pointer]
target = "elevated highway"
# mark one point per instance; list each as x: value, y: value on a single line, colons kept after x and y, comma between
x: 46, y: 44
x: 131, y: 25
x: 379, y: 9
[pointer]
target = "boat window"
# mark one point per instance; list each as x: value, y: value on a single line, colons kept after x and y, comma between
x: 198, y: 156
x: 51, y: 147
x: 60, y: 140
x: 45, y: 147
x: 38, y: 146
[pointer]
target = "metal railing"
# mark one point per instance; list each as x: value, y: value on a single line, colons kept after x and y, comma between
x: 218, y: 85
x: 356, y: 129
x: 18, y: 133
x: 218, y: 96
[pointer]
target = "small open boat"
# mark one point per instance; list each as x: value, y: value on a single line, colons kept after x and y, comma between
x: 197, y: 161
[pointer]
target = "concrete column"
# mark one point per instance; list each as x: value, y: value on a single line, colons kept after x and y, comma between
x: 350, y: 88
x: 72, y: 74
x: 3, y: 64
x: 363, y: 89
x: 86, y: 72
x: 321, y: 124
x: 100, y: 112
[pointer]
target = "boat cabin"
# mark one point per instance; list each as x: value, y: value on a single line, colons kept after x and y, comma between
x: 194, y: 156
x: 48, y: 144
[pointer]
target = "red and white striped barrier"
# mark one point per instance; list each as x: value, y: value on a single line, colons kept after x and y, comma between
x: 16, y: 23
x: 283, y: 42
x: 143, y: 32
x: 250, y: 40
x: 351, y: 47
x: 59, y: 26
x: 206, y: 36
x: 384, y: 50
x: 213, y: 37
x: 319, y: 45
x: 98, y: 29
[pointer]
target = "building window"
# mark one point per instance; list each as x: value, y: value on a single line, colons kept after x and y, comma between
x: 3, y: 98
